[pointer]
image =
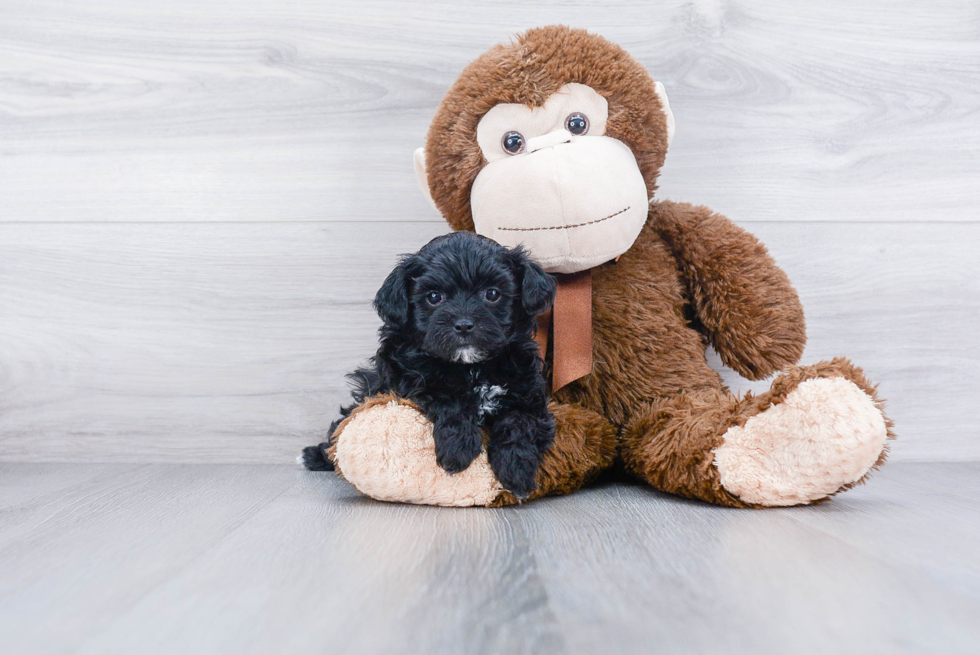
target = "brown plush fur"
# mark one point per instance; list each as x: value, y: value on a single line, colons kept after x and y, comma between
x: 527, y: 72
x: 745, y: 304
x: 692, y: 278
x: 586, y: 448
x: 650, y: 376
x: 669, y: 443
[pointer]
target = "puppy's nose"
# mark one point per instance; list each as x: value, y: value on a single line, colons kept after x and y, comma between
x: 463, y: 325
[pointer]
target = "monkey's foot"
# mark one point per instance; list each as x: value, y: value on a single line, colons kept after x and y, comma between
x: 823, y: 436
x: 386, y: 450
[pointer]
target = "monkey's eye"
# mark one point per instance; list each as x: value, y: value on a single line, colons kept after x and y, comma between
x: 577, y: 124
x: 492, y: 295
x: 513, y: 143
x: 433, y: 298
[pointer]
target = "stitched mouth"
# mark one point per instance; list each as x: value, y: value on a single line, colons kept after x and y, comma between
x: 563, y: 227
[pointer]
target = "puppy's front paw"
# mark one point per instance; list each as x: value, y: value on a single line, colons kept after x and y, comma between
x: 516, y: 467
x: 456, y: 446
x: 517, y: 442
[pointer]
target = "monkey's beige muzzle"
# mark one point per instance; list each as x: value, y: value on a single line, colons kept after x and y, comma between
x: 574, y: 204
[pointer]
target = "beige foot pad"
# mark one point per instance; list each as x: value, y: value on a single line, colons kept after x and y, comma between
x: 825, y: 435
x: 388, y: 453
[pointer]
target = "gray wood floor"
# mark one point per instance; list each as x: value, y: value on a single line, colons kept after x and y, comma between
x: 179, y: 558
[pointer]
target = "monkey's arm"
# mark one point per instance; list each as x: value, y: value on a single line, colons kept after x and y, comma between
x: 743, y: 302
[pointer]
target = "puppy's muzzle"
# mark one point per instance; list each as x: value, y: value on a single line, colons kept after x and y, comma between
x: 463, y: 326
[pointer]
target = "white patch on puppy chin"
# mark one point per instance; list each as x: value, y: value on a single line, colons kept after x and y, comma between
x: 469, y: 355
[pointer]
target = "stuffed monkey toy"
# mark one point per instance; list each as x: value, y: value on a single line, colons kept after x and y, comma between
x: 555, y: 141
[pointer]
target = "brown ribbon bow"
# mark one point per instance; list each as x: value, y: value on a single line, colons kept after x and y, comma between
x: 572, y: 319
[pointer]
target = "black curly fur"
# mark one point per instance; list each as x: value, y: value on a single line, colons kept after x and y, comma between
x: 435, y: 305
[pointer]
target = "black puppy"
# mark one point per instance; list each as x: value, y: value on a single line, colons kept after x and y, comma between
x: 457, y: 340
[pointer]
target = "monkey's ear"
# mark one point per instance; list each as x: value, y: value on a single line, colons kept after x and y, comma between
x: 392, y: 301
x: 423, y: 176
x: 537, y: 287
x: 662, y: 94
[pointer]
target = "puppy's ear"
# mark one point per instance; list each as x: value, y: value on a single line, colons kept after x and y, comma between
x: 392, y: 299
x: 537, y: 287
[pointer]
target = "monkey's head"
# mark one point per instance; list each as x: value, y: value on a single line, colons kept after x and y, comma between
x: 554, y: 141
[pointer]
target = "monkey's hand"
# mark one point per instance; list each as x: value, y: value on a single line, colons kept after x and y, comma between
x: 743, y: 302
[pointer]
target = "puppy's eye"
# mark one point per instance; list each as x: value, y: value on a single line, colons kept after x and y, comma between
x: 513, y: 143
x: 433, y: 298
x: 492, y: 295
x: 577, y: 124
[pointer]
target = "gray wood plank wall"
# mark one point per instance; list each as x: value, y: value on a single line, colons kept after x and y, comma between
x: 198, y: 200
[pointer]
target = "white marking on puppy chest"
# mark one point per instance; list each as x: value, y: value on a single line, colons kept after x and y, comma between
x: 489, y: 395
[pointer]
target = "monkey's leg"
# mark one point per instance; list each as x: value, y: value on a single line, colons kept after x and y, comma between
x: 584, y: 446
x: 386, y: 450
x: 818, y: 430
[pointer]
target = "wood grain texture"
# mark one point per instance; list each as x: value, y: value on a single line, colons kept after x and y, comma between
x: 229, y: 342
x: 210, y: 342
x: 681, y: 576
x: 198, y: 201
x: 305, y: 110
x: 271, y: 559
